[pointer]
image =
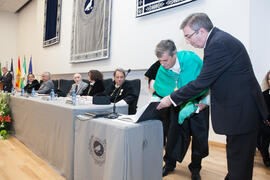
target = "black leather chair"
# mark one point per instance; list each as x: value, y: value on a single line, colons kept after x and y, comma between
x: 136, y: 85
x: 107, y: 84
x: 64, y: 87
x: 55, y: 83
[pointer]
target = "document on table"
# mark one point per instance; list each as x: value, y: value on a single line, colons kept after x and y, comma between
x: 147, y: 112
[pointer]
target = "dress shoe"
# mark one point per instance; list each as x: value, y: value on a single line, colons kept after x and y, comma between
x: 166, y: 170
x: 266, y: 162
x: 195, y: 176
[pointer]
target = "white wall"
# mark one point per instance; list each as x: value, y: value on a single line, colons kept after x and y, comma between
x: 260, y: 37
x: 132, y: 39
x: 8, y: 26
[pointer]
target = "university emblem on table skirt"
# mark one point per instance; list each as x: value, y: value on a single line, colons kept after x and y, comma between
x: 97, y: 149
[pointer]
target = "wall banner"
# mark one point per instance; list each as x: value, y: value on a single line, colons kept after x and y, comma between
x: 90, y: 30
x: 145, y: 7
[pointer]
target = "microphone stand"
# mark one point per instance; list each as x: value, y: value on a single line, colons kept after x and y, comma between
x: 114, y: 114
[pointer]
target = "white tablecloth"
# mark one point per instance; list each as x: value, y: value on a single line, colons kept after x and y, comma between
x: 47, y: 128
x: 108, y: 149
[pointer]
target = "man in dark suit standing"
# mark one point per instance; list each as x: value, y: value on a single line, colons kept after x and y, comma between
x: 6, y: 79
x: 236, y: 100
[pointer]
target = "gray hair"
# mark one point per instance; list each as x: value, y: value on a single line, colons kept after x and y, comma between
x: 77, y: 74
x: 4, y: 67
x: 47, y: 74
x: 196, y: 21
x: 119, y: 70
x: 165, y: 46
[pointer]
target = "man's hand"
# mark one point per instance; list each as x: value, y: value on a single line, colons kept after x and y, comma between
x: 267, y: 123
x: 201, y: 106
x: 151, y: 85
x: 164, y: 102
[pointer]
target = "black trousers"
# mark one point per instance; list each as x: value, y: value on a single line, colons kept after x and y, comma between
x: 179, y: 136
x: 263, y: 141
x: 240, y: 155
x: 165, y: 117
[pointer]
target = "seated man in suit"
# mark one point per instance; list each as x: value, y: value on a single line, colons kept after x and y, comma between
x: 79, y: 86
x: 6, y: 79
x: 177, y: 69
x: 126, y: 94
x: 96, y: 86
x: 47, y: 84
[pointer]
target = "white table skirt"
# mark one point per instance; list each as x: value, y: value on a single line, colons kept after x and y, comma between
x: 108, y: 149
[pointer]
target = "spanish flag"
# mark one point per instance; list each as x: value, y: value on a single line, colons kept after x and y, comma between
x: 18, y: 75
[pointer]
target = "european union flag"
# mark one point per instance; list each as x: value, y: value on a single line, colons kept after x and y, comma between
x: 30, y: 70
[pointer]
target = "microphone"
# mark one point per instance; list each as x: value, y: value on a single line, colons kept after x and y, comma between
x: 114, y: 114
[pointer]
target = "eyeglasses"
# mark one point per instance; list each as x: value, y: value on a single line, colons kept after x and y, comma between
x: 188, y: 36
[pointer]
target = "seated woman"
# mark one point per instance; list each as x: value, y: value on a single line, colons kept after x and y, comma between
x: 32, y: 83
x: 264, y: 132
x: 96, y: 86
x: 126, y: 94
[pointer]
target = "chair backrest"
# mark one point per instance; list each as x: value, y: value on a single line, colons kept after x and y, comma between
x: 136, y: 85
x: 55, y: 83
x: 107, y: 84
x: 65, y: 85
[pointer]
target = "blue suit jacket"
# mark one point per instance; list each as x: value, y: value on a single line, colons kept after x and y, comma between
x: 236, y: 99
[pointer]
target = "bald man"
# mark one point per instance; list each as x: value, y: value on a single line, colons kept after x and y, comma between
x: 79, y: 86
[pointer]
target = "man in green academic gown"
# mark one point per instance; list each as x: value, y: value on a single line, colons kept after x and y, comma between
x: 190, y: 119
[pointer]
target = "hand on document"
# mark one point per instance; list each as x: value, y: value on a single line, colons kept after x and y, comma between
x: 147, y: 112
x: 164, y: 102
x: 201, y: 107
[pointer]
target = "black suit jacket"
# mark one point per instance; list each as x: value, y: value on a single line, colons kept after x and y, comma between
x: 97, y: 89
x: 236, y: 99
x: 127, y: 93
x: 7, y: 81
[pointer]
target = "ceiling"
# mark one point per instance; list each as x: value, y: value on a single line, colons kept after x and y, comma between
x: 12, y: 5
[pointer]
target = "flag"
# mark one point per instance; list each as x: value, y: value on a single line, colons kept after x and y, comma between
x: 0, y: 70
x: 30, y: 71
x: 18, y: 75
x: 12, y: 73
x: 11, y: 68
x: 23, y: 74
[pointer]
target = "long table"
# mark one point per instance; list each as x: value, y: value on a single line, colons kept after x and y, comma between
x: 47, y: 128
x: 117, y: 150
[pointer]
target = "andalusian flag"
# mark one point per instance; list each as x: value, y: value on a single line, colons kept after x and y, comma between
x: 18, y: 75
x: 23, y: 74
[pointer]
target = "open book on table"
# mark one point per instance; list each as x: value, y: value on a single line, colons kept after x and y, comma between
x: 147, y: 112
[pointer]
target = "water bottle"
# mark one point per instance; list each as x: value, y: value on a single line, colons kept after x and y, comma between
x: 74, y: 97
x: 52, y: 94
x: 13, y: 92
x: 22, y: 92
x: 33, y: 92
